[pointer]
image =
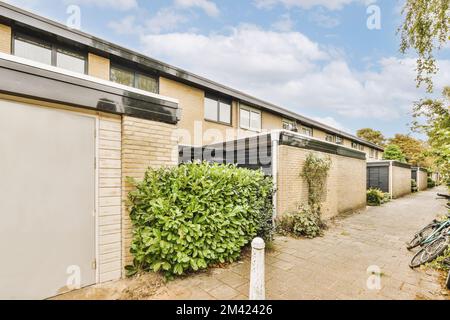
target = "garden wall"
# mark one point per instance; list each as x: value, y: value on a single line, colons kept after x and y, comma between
x: 145, y: 144
x: 401, y: 179
x: 346, y: 184
x: 420, y: 175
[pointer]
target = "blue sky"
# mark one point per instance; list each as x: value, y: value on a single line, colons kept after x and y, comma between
x: 315, y: 57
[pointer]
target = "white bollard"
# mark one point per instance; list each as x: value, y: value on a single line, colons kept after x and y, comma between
x: 257, y: 281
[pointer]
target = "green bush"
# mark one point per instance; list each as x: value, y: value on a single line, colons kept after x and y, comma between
x: 188, y: 217
x: 305, y: 222
x: 375, y: 197
x: 430, y: 183
x: 386, y: 198
x: 414, y: 186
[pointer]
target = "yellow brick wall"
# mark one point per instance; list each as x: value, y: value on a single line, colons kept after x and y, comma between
x: 98, y: 67
x: 109, y: 198
x: 193, y: 129
x: 271, y: 121
x: 346, y: 183
x: 5, y: 39
x: 144, y: 144
x: 319, y: 134
x: 401, y: 181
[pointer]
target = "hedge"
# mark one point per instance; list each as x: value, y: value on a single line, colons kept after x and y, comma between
x: 189, y: 217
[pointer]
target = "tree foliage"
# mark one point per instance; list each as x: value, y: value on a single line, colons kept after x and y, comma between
x: 414, y: 149
x: 372, y: 135
x: 393, y: 152
x: 432, y: 117
x: 425, y: 29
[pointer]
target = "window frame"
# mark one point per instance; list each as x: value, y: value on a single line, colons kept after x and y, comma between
x: 52, y: 45
x: 333, y: 138
x: 292, y: 123
x: 136, y: 73
x: 218, y: 101
x: 355, y: 145
x: 311, y: 130
x: 341, y: 140
x: 250, y: 110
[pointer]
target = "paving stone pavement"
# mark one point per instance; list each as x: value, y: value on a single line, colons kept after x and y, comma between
x: 336, y: 265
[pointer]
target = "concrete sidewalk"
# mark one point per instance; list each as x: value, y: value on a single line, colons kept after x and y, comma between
x: 336, y: 266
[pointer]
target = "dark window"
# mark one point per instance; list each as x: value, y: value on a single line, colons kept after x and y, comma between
x: 146, y: 83
x: 339, y: 140
x: 217, y: 109
x: 354, y: 145
x: 122, y: 76
x: 47, y: 53
x: 131, y: 78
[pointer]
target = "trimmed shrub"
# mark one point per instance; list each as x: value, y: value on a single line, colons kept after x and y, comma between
x: 430, y: 183
x: 375, y: 197
x: 386, y: 198
x: 188, y: 217
x: 305, y: 222
x: 414, y: 186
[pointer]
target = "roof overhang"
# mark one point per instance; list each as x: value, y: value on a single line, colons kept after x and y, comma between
x: 28, y: 79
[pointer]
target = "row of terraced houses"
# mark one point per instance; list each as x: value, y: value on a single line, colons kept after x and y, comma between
x: 78, y: 115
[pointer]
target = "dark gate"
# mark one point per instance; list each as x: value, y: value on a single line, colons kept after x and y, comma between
x: 378, y: 177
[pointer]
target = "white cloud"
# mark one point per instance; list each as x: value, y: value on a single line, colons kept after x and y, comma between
x: 289, y: 69
x: 285, y: 23
x: 332, y: 122
x: 305, y: 4
x: 322, y: 19
x: 110, y: 4
x: 207, y: 6
x: 125, y: 26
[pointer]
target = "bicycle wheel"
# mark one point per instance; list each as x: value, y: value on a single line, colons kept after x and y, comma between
x: 421, y: 235
x: 430, y: 252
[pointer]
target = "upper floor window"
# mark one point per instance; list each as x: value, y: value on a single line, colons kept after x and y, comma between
x: 330, y: 138
x: 70, y: 60
x: 250, y: 118
x: 217, y: 109
x: 51, y: 54
x: 289, y: 125
x: 361, y: 147
x: 354, y: 145
x: 339, y: 140
x: 135, y: 79
x: 307, y: 131
x: 372, y: 153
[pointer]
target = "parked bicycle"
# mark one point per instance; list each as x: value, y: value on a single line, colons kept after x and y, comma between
x: 434, y: 239
x: 447, y: 282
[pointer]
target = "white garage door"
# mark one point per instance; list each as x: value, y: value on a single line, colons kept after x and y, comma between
x: 47, y: 188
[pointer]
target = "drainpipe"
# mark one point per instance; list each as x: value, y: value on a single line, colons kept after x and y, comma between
x: 275, y: 137
x: 391, y: 191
